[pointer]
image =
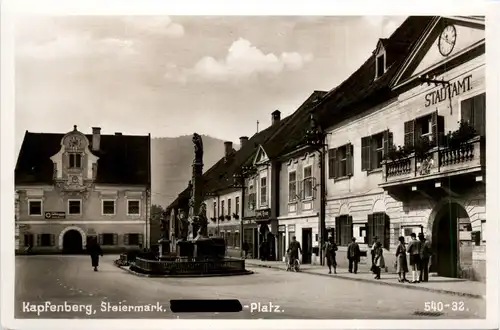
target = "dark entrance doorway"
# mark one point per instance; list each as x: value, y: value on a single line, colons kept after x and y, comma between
x: 306, y: 245
x: 445, y: 240
x: 72, y: 242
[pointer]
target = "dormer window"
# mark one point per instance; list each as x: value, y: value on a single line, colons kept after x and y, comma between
x: 380, y: 64
x: 380, y: 59
x: 75, y: 160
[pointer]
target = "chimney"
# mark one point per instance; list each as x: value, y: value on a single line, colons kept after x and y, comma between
x: 96, y: 138
x: 243, y: 140
x: 228, y: 148
x: 275, y: 117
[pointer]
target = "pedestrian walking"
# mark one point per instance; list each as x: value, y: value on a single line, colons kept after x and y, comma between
x: 353, y: 255
x: 425, y: 256
x: 94, y: 250
x: 330, y: 249
x: 372, y: 252
x: 401, y: 262
x: 379, y: 260
x: 245, y: 247
x: 413, y: 250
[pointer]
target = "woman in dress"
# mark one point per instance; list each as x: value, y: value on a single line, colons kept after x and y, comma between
x: 379, y: 260
x: 402, y: 266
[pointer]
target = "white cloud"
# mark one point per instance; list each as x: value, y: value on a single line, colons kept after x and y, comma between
x: 242, y: 61
x: 74, y: 45
x: 156, y: 24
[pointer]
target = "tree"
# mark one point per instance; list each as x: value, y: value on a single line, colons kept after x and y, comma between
x: 156, y: 213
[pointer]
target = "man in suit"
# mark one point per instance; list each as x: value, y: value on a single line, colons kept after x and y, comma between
x: 353, y: 255
x: 425, y: 256
x: 372, y: 251
x: 413, y: 250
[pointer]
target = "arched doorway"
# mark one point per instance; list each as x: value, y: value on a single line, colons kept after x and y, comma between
x: 446, y: 240
x: 72, y: 242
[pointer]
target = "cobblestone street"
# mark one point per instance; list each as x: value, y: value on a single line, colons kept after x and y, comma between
x: 70, y: 279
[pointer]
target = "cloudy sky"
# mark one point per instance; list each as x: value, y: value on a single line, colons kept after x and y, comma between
x: 171, y: 76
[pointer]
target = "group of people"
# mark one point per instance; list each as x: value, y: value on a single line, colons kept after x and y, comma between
x: 419, y: 250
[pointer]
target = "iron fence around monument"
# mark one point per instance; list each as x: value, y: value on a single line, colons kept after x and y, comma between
x: 188, y: 266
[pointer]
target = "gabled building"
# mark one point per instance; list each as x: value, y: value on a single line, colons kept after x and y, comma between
x: 423, y: 90
x: 75, y: 185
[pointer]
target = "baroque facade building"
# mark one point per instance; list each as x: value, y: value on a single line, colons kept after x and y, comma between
x: 72, y: 186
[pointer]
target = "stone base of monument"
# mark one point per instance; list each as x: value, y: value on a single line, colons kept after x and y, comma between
x: 202, y: 256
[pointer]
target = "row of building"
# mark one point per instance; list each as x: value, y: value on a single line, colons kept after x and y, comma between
x: 397, y: 148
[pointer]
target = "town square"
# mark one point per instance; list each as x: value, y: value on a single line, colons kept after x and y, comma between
x: 244, y: 160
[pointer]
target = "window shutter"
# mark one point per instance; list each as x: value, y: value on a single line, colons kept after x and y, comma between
x: 366, y: 153
x: 349, y: 154
x: 337, y: 230
x: 140, y: 238
x: 115, y: 239
x: 369, y: 229
x: 350, y: 227
x: 387, y: 232
x: 52, y: 240
x: 479, y: 114
x: 387, y: 141
x: 314, y: 187
x: 409, y: 127
x: 437, y: 123
x: 125, y: 239
x: 332, y: 153
x: 39, y: 240
x: 466, y: 112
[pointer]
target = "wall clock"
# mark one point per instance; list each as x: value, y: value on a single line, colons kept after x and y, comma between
x: 74, y: 179
x: 447, y: 40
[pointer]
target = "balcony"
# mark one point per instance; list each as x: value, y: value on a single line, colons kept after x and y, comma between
x: 466, y: 158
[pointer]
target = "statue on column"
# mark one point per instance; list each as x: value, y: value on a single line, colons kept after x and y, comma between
x: 198, y: 148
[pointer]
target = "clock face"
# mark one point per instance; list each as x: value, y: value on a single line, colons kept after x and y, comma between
x: 447, y: 40
x: 74, y: 142
x: 74, y: 179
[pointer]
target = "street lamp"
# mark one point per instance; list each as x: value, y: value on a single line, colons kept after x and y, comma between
x: 245, y: 172
x: 315, y: 138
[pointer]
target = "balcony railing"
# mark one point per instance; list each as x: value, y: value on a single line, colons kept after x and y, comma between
x: 440, y: 160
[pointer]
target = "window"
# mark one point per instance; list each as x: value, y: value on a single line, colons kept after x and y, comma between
x: 292, y: 186
x: 373, y: 150
x: 308, y: 182
x: 380, y: 64
x: 263, y: 191
x: 483, y: 231
x: 133, y: 207
x: 378, y: 225
x: 46, y: 240
x: 222, y: 208
x: 340, y: 161
x: 108, y: 207
x: 237, y: 205
x: 134, y: 239
x: 74, y: 207
x: 35, y: 207
x: 251, y: 196
x: 473, y: 111
x: 28, y: 240
x: 229, y: 207
x: 75, y: 160
x: 429, y: 127
x: 343, y: 229
x: 215, y: 210
x: 108, y: 239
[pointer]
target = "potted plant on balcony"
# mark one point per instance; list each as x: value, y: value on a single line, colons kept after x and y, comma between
x: 213, y: 219
x: 396, y: 153
x: 422, y: 147
x: 463, y: 134
x: 221, y: 217
x: 228, y: 217
x: 235, y: 216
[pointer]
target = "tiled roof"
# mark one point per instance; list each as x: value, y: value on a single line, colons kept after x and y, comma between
x: 361, y: 91
x: 123, y: 159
